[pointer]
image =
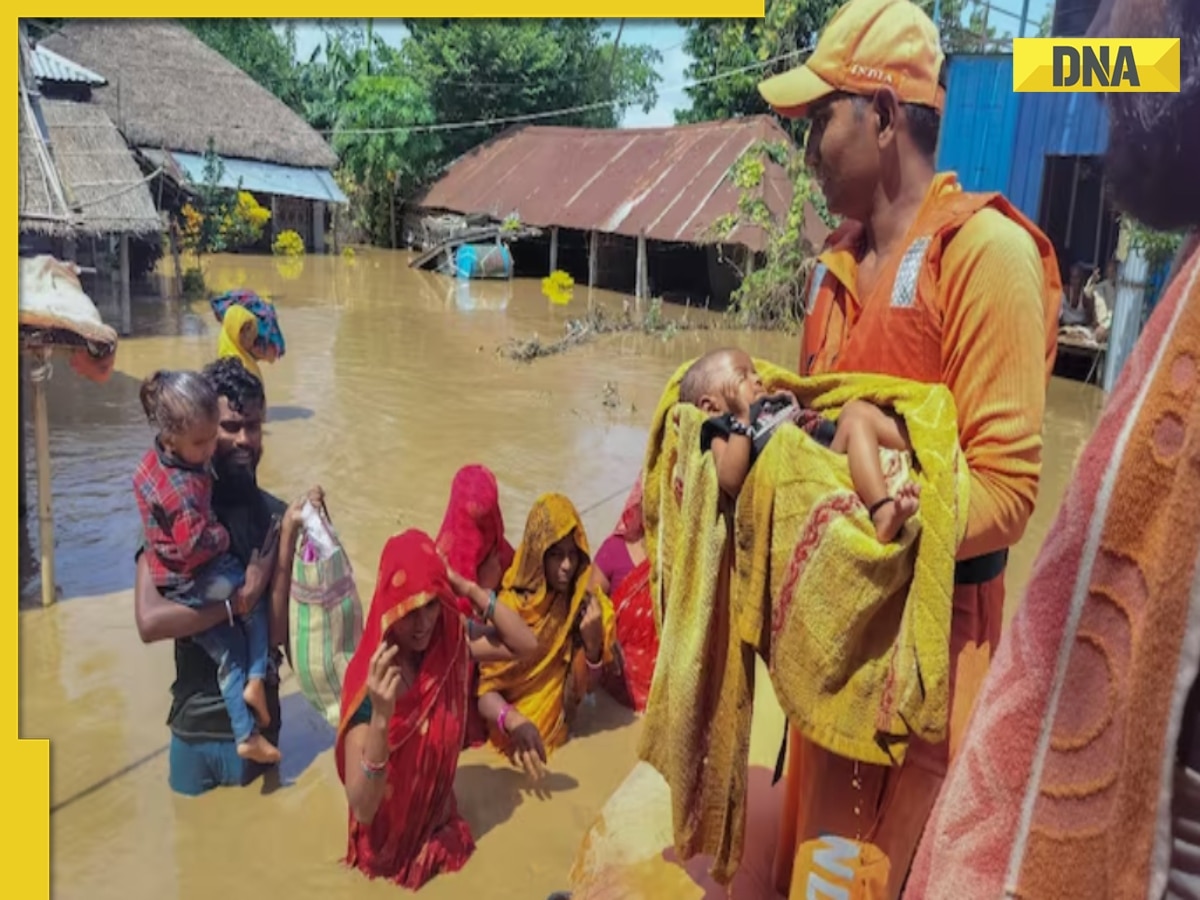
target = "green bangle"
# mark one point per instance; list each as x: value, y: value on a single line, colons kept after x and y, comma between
x: 491, y: 607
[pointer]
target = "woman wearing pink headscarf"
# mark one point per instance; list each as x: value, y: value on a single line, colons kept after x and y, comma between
x: 623, y: 572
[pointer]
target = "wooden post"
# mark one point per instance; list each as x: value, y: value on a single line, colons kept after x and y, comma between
x: 177, y: 262
x: 553, y: 248
x: 318, y: 212
x: 593, y: 257
x: 640, y: 290
x: 274, y: 217
x: 22, y: 490
x: 41, y: 433
x: 126, y: 303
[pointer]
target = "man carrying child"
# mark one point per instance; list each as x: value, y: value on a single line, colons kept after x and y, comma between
x: 927, y: 282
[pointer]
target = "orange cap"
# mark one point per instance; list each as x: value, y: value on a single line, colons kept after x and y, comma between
x: 867, y: 45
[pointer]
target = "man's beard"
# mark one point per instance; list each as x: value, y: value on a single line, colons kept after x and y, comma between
x: 236, y: 481
x: 1154, y: 139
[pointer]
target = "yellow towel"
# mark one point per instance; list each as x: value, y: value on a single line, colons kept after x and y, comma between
x: 855, y: 633
x: 696, y: 728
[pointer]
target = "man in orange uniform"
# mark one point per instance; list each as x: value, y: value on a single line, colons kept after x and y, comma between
x: 927, y: 282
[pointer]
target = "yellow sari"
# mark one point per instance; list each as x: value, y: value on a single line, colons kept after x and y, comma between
x: 538, y: 687
x: 230, y: 342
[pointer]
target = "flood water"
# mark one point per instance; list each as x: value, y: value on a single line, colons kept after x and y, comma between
x: 391, y: 382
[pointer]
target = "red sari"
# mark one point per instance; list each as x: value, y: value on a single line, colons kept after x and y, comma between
x: 636, y: 633
x: 417, y: 832
x: 471, y: 528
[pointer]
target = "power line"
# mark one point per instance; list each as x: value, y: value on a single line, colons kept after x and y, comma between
x: 566, y: 111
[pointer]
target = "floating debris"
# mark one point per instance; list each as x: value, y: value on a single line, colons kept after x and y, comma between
x: 598, y: 322
x: 558, y: 287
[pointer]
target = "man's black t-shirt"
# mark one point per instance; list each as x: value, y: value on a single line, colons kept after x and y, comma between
x: 197, y: 709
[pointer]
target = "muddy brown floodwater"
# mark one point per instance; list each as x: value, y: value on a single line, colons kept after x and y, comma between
x: 390, y: 384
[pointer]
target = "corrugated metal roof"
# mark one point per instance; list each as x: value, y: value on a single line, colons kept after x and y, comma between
x: 980, y: 122
x: 670, y: 182
x: 260, y: 177
x: 49, y: 66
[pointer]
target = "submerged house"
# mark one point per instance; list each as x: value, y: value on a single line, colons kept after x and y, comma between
x: 81, y: 193
x: 632, y: 210
x: 170, y: 94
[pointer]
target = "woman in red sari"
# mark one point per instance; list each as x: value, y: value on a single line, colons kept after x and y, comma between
x: 472, y: 542
x: 623, y: 572
x: 404, y: 713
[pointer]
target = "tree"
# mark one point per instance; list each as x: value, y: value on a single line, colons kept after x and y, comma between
x: 386, y: 162
x: 259, y: 50
x: 730, y: 57
x: 498, y: 69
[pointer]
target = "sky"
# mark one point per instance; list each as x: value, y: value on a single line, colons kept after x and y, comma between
x: 667, y: 37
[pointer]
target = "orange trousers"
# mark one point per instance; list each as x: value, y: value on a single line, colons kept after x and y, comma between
x: 849, y: 830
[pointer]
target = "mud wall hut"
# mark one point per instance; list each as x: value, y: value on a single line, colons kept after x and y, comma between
x: 170, y: 94
x: 631, y: 210
x: 80, y: 189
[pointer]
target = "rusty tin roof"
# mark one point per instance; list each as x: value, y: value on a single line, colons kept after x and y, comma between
x: 673, y: 183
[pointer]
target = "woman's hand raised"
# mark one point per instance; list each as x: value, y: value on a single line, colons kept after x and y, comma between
x: 383, y: 680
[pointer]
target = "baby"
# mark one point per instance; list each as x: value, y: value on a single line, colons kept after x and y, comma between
x: 189, y: 549
x: 725, y: 385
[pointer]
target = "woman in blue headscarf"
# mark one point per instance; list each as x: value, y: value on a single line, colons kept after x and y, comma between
x: 249, y: 329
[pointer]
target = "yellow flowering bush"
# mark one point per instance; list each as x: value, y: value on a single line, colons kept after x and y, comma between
x: 288, y: 243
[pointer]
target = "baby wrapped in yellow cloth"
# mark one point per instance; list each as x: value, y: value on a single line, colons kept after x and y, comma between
x: 854, y: 631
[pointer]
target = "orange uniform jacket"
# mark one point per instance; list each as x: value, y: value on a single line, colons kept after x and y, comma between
x: 970, y: 300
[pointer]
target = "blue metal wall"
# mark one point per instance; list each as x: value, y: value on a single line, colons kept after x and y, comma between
x: 1053, y: 125
x: 997, y: 140
x: 980, y: 122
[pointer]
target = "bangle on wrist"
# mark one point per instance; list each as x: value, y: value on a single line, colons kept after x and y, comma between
x: 372, y: 770
x: 490, y: 613
x: 229, y: 610
x: 594, y: 666
x: 501, y: 719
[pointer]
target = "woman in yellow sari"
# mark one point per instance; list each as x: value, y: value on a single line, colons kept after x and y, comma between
x: 249, y: 329
x: 550, y: 585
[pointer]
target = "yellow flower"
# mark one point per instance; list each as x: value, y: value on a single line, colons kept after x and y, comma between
x: 558, y: 287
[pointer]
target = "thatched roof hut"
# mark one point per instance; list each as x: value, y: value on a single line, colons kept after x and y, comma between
x: 41, y: 200
x: 168, y: 89
x: 76, y: 174
x: 98, y: 172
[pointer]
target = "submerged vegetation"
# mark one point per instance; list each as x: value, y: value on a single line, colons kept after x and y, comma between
x: 597, y: 322
x: 771, y: 291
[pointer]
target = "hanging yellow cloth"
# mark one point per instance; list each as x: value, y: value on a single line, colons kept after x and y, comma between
x: 537, y: 686
x: 230, y: 342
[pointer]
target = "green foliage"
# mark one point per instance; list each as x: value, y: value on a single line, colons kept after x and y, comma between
x: 477, y: 70
x: 720, y: 46
x: 771, y: 294
x: 789, y: 29
x: 217, y: 218
x: 193, y: 283
x: 1158, y: 247
x: 259, y: 50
